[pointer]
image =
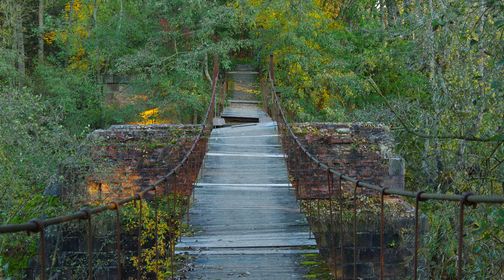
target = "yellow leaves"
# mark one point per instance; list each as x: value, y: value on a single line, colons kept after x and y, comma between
x: 315, y: 15
x: 255, y: 3
x: 168, y: 229
x: 324, y: 98
x: 326, y: 14
x: 330, y: 9
x: 335, y: 25
x: 78, y: 14
x: 269, y: 17
x: 77, y: 60
x: 294, y: 69
x: 302, y: 78
x: 293, y: 36
x: 76, y: 7
x: 313, y: 45
x: 266, y: 19
x: 49, y: 37
x: 150, y: 116
x: 81, y: 31
x: 62, y: 36
x: 77, y: 10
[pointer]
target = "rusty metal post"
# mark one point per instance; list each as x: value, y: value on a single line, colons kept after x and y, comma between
x: 156, y: 234
x: 355, y: 231
x: 172, y: 257
x: 42, y: 247
x: 139, y: 234
x: 418, y: 198
x: 460, y: 254
x: 188, y: 207
x: 226, y: 85
x: 220, y: 102
x: 215, y: 77
x: 274, y: 110
x: 272, y: 69
x: 308, y: 201
x: 382, y: 232
x: 330, y: 186
x: 315, y: 182
x: 297, y: 174
x: 118, y: 239
x: 173, y: 204
x: 89, y: 242
x: 330, y: 183
x: 342, y: 232
x: 307, y: 180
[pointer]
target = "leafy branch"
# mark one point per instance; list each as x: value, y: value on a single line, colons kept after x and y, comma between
x: 499, y: 137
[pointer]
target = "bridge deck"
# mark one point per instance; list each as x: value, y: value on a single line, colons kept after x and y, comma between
x: 246, y: 219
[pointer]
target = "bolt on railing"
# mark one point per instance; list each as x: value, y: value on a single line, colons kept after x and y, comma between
x: 304, y: 167
x: 181, y: 178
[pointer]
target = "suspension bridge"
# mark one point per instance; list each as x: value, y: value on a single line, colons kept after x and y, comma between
x: 245, y: 177
x: 247, y: 220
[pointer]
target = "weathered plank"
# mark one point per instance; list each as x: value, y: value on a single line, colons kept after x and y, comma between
x: 245, y: 216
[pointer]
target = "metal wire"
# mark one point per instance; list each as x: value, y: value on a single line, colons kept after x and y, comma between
x: 195, y: 155
x: 289, y: 139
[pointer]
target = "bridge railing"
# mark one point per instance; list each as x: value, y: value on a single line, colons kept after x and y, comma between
x: 316, y: 180
x: 179, y: 180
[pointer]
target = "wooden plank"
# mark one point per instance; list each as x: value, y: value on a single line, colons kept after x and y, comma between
x: 241, y: 185
x: 245, y: 101
x: 244, y: 203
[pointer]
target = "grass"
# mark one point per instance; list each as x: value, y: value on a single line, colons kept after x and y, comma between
x: 316, y: 266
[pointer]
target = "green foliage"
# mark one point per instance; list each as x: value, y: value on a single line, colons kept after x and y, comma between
x: 317, y: 268
x: 434, y: 71
x: 8, y: 73
x: 74, y: 97
x: 169, y: 65
x: 168, y: 230
x: 32, y: 147
x: 483, y: 247
x: 48, y: 104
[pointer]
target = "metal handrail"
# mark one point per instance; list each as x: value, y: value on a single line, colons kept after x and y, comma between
x: 30, y: 226
x: 473, y: 198
x: 39, y: 225
x: 463, y: 199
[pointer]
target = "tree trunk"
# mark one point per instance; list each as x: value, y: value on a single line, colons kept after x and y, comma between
x: 428, y: 166
x: 19, y: 42
x: 195, y: 117
x: 383, y: 15
x: 392, y: 10
x: 95, y: 13
x: 205, y: 69
x: 41, y: 30
x: 418, y: 17
x: 121, y: 12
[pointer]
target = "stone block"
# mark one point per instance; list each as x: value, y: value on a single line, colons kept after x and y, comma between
x: 395, y: 176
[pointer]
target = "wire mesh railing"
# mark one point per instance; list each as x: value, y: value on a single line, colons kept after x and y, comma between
x: 178, y: 181
x: 315, y: 180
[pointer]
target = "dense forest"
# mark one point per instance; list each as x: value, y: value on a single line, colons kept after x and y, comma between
x: 430, y: 70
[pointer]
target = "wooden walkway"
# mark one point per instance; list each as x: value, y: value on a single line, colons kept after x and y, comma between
x: 245, y: 215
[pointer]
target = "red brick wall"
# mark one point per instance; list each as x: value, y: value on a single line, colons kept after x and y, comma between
x: 363, y: 151
x: 128, y: 158
x: 366, y: 152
